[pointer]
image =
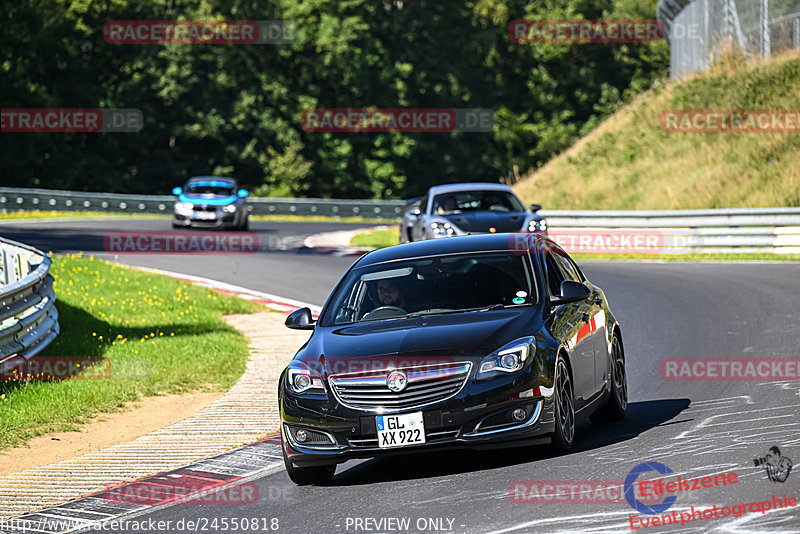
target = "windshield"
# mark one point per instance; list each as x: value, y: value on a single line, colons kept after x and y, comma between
x: 430, y: 286
x: 476, y: 201
x: 209, y: 189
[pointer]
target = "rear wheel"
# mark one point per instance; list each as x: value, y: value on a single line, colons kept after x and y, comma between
x: 304, y: 476
x: 617, y: 404
x: 564, y: 433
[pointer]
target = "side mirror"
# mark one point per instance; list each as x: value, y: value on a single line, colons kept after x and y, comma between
x: 177, y: 191
x: 415, y: 212
x: 300, y: 320
x: 535, y: 207
x: 571, y: 291
x: 242, y: 193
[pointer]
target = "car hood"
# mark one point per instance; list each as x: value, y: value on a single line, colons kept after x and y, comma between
x: 482, y: 221
x: 415, y: 341
x: 210, y: 199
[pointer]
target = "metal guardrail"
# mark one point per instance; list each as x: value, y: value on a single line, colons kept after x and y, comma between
x: 12, y: 198
x: 717, y: 230
x: 739, y: 230
x: 28, y: 316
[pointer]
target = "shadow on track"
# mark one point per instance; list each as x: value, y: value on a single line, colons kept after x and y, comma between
x: 641, y: 417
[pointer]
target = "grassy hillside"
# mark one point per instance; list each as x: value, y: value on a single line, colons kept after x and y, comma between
x: 629, y: 162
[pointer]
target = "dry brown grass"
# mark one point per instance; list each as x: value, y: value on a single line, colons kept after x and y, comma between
x: 629, y: 162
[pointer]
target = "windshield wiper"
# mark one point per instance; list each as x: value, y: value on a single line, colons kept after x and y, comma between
x: 441, y: 312
x: 491, y: 307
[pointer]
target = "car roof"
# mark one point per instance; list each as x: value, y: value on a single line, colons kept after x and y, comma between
x: 447, y: 245
x: 468, y: 186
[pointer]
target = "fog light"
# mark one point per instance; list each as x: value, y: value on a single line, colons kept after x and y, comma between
x: 518, y: 414
x: 301, y: 435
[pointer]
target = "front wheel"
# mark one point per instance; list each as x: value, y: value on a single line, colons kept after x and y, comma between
x: 564, y: 434
x: 304, y: 476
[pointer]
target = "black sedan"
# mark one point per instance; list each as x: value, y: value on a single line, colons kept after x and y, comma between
x: 470, y: 342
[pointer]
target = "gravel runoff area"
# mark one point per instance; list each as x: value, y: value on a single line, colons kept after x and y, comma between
x: 246, y: 413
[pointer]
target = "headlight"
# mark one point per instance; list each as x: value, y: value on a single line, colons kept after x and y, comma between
x: 508, y: 359
x: 537, y: 226
x: 304, y: 381
x: 230, y: 208
x: 183, y: 206
x: 442, y: 229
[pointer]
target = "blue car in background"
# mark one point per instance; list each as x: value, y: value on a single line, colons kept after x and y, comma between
x: 210, y: 202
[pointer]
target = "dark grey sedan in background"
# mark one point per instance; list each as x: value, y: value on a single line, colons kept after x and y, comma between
x: 469, y: 208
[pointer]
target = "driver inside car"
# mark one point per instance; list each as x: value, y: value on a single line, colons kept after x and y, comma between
x: 390, y: 295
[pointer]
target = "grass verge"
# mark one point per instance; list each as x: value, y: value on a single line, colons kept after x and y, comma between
x: 158, y: 334
x: 35, y: 215
x: 375, y: 238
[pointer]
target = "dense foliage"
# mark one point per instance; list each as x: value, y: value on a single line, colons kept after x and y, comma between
x: 235, y: 109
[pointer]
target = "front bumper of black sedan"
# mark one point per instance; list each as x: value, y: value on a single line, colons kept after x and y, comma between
x: 478, y: 417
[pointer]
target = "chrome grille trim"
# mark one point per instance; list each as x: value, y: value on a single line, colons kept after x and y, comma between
x: 426, y: 385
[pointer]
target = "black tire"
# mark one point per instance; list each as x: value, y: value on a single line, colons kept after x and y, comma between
x: 246, y: 224
x: 304, y: 476
x: 564, y: 409
x: 617, y: 404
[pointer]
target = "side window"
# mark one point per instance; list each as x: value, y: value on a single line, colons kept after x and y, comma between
x: 581, y: 277
x: 567, y: 268
x: 554, y: 276
x: 423, y: 204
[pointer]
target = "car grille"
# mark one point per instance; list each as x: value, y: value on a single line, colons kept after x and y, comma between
x: 204, y: 207
x: 426, y: 384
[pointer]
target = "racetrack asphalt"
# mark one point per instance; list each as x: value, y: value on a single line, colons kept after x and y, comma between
x: 664, y: 309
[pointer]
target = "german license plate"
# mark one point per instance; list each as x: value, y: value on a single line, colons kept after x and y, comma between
x: 400, y: 430
x: 205, y: 215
